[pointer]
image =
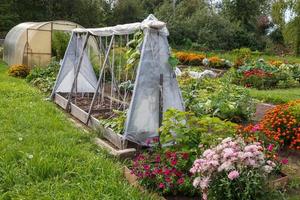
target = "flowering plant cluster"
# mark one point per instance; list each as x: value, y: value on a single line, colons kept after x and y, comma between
x: 190, y: 58
x: 262, y: 75
x: 200, y: 59
x: 18, y: 71
x: 282, y: 124
x: 232, y: 161
x: 167, y: 173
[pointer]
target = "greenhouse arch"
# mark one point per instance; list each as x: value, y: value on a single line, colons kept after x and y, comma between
x: 29, y: 43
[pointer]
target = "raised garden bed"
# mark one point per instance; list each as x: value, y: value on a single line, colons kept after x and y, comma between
x: 115, y: 143
x: 280, y: 182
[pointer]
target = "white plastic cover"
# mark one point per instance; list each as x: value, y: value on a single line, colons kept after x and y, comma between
x: 143, y: 115
x: 86, y: 81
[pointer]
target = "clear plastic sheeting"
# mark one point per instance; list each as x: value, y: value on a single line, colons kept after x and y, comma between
x: 143, y: 115
x: 86, y: 80
x: 29, y: 43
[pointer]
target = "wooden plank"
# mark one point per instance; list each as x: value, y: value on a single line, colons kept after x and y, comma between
x: 108, y: 133
x: 125, y: 153
x: 60, y: 100
x: 78, y: 113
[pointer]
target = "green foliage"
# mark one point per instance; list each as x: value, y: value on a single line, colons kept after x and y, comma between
x: 116, y: 122
x: 251, y: 184
x: 217, y: 98
x: 133, y: 54
x: 44, y: 77
x: 190, y: 131
x: 60, y: 42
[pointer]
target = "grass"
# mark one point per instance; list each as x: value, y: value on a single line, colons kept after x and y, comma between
x: 44, y: 156
x: 276, y: 96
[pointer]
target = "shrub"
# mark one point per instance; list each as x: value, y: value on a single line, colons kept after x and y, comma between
x: 60, y: 42
x: 44, y: 77
x: 18, y: 70
x: 166, y: 173
x: 191, y: 131
x: 232, y: 170
x: 282, y: 124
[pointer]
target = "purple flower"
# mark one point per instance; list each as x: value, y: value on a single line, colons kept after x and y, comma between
x: 233, y: 175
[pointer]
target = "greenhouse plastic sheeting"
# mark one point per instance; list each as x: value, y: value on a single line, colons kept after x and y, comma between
x: 86, y: 81
x: 143, y: 115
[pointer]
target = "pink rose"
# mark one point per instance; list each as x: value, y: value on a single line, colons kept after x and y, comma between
x: 233, y: 175
x: 256, y: 128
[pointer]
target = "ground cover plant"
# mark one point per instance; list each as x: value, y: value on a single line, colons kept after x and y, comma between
x: 46, y: 156
x: 217, y: 97
x: 44, y: 77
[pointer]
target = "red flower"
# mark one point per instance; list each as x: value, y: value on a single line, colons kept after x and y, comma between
x: 173, y: 162
x: 167, y: 172
x: 168, y: 180
x: 285, y: 161
x: 161, y: 186
x: 157, y: 159
x: 185, y: 156
x: 146, y: 167
x: 180, y: 181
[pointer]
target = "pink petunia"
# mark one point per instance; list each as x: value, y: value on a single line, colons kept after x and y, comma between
x: 285, y: 161
x: 270, y: 147
x: 161, y: 186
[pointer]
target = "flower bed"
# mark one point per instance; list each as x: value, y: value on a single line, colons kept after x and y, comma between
x: 194, y: 59
x: 262, y: 75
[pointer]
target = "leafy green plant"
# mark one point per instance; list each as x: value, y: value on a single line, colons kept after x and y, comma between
x: 44, y: 77
x: 187, y: 131
x: 116, y: 122
x: 217, y: 98
x: 60, y: 42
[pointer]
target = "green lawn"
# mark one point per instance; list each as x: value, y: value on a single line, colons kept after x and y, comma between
x: 44, y: 156
x: 277, y: 96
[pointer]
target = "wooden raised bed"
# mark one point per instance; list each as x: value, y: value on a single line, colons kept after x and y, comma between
x: 280, y: 182
x: 116, y: 145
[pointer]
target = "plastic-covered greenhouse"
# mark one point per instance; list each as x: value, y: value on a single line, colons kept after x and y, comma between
x: 88, y: 95
x: 29, y: 43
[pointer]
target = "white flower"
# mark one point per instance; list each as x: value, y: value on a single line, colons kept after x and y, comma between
x: 20, y: 138
x: 30, y: 156
x: 196, y: 182
x: 267, y: 168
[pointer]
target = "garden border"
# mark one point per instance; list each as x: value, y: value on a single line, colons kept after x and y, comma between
x: 115, y: 146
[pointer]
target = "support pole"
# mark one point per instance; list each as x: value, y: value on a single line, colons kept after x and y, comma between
x: 99, y: 80
x: 77, y: 70
x: 161, y: 100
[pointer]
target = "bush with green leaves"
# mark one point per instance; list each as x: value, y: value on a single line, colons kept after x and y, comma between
x: 60, y: 41
x: 217, y: 98
x: 190, y: 131
x: 44, y: 77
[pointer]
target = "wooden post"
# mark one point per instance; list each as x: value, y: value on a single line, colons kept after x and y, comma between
x: 161, y: 101
x: 99, y: 80
x: 77, y: 70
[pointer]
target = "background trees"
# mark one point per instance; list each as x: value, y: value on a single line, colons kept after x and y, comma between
x: 199, y: 24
